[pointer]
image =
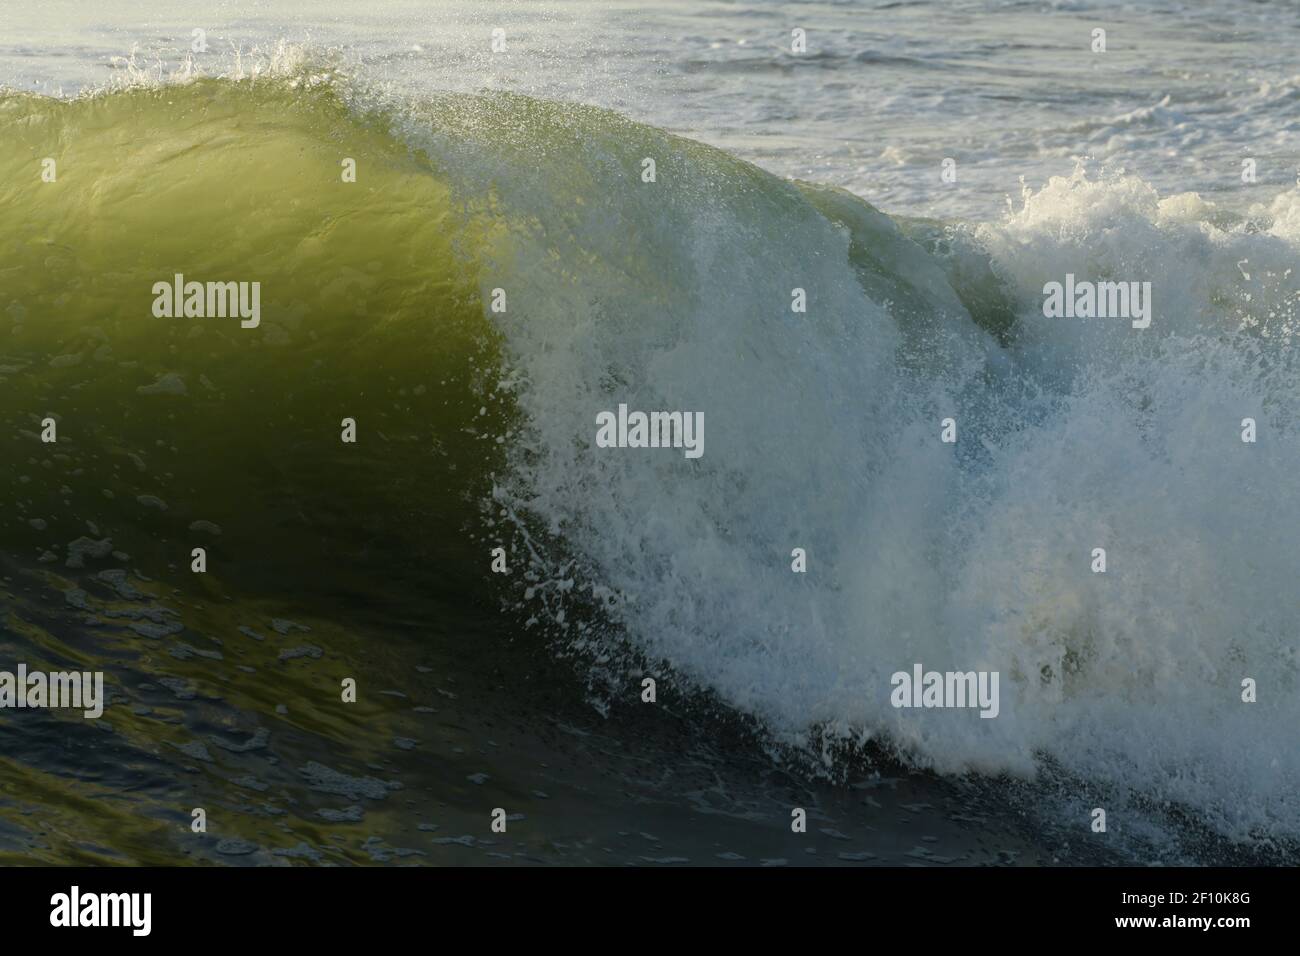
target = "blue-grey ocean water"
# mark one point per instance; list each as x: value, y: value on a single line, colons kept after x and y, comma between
x: 885, y: 91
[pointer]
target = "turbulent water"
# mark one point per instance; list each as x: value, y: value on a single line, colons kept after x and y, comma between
x: 476, y: 428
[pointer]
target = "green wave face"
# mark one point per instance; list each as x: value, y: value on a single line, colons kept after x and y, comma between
x: 177, y: 433
x: 369, y: 310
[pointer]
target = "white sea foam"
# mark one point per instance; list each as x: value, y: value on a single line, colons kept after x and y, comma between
x: 824, y: 435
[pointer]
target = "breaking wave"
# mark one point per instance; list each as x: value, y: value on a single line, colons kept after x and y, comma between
x: 477, y: 425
